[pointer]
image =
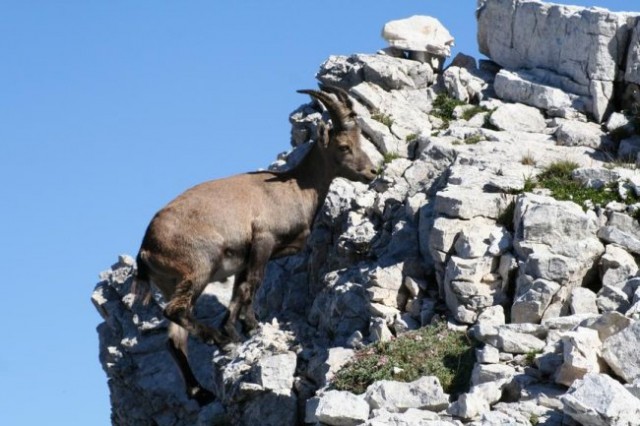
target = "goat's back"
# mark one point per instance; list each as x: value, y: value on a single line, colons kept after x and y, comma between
x: 219, y: 217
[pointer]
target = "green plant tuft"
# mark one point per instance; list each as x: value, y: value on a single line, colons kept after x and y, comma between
x: 528, y: 160
x: 487, y: 122
x: 469, y: 113
x: 530, y: 357
x: 385, y: 119
x: 474, y: 139
x: 434, y: 350
x: 411, y: 137
x: 389, y: 157
x: 443, y: 106
x: 534, y: 420
x: 559, y: 170
x: 557, y: 178
x: 506, y: 216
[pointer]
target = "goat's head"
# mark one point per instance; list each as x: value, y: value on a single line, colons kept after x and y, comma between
x: 340, y: 142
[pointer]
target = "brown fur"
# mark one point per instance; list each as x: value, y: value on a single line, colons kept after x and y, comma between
x: 234, y: 226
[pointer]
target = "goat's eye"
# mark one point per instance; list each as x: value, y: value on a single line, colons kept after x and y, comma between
x: 344, y: 148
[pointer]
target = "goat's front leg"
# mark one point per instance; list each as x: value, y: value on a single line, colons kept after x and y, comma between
x: 245, y: 286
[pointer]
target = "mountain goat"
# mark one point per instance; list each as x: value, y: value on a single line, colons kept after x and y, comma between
x: 234, y: 226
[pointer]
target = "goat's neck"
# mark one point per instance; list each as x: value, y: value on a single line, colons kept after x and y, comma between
x: 314, y: 175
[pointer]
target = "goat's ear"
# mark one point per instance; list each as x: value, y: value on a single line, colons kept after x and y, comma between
x: 323, y: 137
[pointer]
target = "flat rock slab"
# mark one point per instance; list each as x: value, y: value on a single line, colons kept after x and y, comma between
x: 518, y: 118
x: 425, y: 393
x: 341, y: 408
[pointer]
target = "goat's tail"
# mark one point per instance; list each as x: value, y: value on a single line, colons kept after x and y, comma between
x: 141, y: 287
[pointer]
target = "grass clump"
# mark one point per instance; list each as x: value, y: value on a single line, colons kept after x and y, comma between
x: 443, y: 107
x: 528, y: 160
x: 506, y: 216
x: 488, y: 124
x: 473, y: 139
x: 557, y: 179
x: 389, y: 157
x: 530, y: 357
x: 411, y: 137
x: 430, y: 351
x: 469, y: 113
x: 382, y: 118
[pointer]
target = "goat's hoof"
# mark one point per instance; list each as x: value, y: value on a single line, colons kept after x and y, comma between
x: 201, y: 396
x: 232, y: 333
x: 250, y: 324
x: 229, y: 349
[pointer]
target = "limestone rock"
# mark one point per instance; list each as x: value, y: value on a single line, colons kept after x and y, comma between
x: 591, y: 45
x: 424, y: 393
x: 575, y: 133
x: 627, y: 240
x: 556, y: 242
x: 408, y: 418
x: 465, y: 85
x: 529, y: 87
x: 583, y: 301
x: 486, y: 373
x: 341, y: 408
x: 532, y: 299
x: 507, y: 338
x: 629, y: 148
x: 580, y: 354
x: 620, y: 351
x: 519, y: 118
x: 276, y: 372
x: 419, y: 33
x: 632, y: 72
x: 598, y: 400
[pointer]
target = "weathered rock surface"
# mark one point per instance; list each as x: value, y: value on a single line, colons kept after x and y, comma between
x: 425, y: 393
x: 341, y: 408
x: 599, y: 400
x: 419, y: 34
x: 588, y: 52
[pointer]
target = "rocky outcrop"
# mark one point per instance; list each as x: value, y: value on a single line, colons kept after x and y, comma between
x: 453, y: 229
x: 559, y: 58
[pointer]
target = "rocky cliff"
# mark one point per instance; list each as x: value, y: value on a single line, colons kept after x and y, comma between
x: 503, y: 208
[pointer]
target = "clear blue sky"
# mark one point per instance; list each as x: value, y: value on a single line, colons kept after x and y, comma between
x: 110, y: 109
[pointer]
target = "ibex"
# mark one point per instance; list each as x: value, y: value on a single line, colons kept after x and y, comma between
x: 234, y: 226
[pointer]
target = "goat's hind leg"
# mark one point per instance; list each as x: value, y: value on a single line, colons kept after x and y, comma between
x: 177, y: 346
x: 180, y: 311
x: 245, y: 285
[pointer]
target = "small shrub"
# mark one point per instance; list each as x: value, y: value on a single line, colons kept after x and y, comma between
x: 434, y: 350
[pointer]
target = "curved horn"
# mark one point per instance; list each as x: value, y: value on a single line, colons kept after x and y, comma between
x: 341, y: 111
